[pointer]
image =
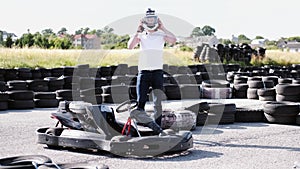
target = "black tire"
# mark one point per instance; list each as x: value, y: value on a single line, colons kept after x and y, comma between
x: 115, y: 98
x: 21, y: 95
x: 201, y: 118
x: 182, y: 79
x: 189, y: 91
x: 199, y: 107
x: 285, y: 81
x: 298, y: 120
x: 240, y: 87
x: 267, y: 98
x: 221, y: 113
x: 240, y: 94
x: 249, y: 115
x: 281, y: 108
x: 3, y: 105
x: 24, y: 161
x: 4, y: 97
x: 255, y: 78
x: 281, y: 98
x: 272, y: 78
x: 260, y: 84
x: 215, y: 84
x: 65, y: 93
x: 288, y: 89
x: 46, y: 103
x: 21, y: 104
x: 216, y: 93
x: 266, y: 92
x: 252, y: 93
x: 45, y: 95
x: 280, y: 119
x: 115, y: 89
x: 91, y: 92
x: 92, y: 99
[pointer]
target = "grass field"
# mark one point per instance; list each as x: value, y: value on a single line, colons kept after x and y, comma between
x: 12, y: 58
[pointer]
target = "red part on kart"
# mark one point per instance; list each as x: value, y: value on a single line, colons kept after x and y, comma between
x: 128, y: 126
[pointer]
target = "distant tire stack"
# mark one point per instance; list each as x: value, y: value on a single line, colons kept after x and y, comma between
x: 281, y: 112
x: 256, y: 83
x: 11, y: 74
x: 64, y: 95
x: 20, y: 99
x: 216, y: 89
x: 288, y: 92
x: 2, y: 74
x: 24, y: 74
x: 240, y: 86
x: 3, y: 86
x: 249, y: 115
x: 45, y: 99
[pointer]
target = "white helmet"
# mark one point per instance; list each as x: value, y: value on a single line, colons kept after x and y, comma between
x: 150, y: 21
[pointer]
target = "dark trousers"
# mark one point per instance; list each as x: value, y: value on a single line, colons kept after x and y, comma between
x: 145, y: 80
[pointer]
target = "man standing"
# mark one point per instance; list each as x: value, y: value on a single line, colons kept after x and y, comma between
x: 151, y: 35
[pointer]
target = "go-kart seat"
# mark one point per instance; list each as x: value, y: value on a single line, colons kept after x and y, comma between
x: 102, y: 117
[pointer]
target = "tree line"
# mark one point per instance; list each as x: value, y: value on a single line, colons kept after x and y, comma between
x: 48, y: 39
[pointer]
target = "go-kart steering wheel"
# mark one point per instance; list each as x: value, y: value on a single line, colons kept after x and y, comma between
x: 126, y: 106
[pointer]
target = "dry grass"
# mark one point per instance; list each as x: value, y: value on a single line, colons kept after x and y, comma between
x: 12, y: 58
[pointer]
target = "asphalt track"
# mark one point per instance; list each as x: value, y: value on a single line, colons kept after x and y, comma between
x: 235, y: 146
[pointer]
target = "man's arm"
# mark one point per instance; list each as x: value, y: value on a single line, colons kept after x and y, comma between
x: 133, y: 41
x: 169, y: 37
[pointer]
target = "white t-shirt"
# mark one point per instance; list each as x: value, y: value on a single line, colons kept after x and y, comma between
x: 151, y: 56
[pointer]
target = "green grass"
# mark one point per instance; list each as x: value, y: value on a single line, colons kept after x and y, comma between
x: 32, y: 58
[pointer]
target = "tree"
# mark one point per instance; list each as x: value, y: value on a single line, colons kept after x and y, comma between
x: 9, y: 42
x: 107, y: 29
x: 62, y: 31
x: 86, y: 31
x: 47, y: 32
x: 294, y: 38
x: 208, y: 30
x: 197, y: 31
x: 259, y: 37
x: 243, y: 39
x: 1, y: 37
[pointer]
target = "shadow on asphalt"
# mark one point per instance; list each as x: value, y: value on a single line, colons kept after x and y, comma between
x: 213, y: 144
x: 242, y: 125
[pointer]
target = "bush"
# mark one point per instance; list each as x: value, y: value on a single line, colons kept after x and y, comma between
x: 185, y: 48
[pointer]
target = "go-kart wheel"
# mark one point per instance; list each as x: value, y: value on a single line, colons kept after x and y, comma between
x: 125, y: 106
x: 54, y: 131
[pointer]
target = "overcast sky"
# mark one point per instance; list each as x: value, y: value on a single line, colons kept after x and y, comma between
x: 271, y: 19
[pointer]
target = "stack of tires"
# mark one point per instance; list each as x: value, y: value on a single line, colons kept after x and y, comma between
x: 3, y: 86
x: 216, y: 89
x: 115, y: 93
x: 288, y: 92
x: 259, y: 89
x: 201, y: 110
x: 281, y: 112
x: 37, y: 85
x: 240, y: 86
x: 219, y: 113
x: 249, y: 115
x: 2, y: 74
x: 20, y: 99
x: 54, y: 83
x: 11, y: 74
x: 65, y: 95
x: 45, y: 99
x: 93, y: 95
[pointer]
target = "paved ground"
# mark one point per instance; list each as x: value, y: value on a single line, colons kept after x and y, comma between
x: 236, y: 146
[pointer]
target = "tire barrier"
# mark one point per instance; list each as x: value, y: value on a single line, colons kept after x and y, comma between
x: 221, y: 113
x: 249, y: 115
x: 281, y: 112
x: 288, y: 92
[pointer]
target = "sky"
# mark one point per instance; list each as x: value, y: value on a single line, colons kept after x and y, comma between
x: 271, y: 19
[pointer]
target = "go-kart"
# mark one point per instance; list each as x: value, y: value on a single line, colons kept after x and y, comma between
x: 86, y: 126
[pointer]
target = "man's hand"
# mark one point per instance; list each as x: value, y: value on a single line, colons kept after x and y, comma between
x: 140, y: 27
x: 160, y: 25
